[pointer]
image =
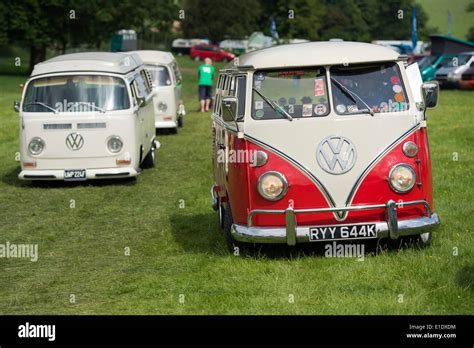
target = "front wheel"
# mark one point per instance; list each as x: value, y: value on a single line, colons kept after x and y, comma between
x: 149, y: 161
x: 235, y: 247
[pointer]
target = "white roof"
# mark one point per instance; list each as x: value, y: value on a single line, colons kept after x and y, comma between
x: 119, y: 63
x: 155, y: 57
x: 316, y: 53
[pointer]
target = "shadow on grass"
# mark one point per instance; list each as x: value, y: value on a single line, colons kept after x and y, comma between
x: 11, y: 178
x: 201, y: 233
x: 465, y: 277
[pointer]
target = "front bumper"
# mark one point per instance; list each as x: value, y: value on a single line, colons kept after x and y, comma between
x: 101, y: 173
x: 166, y: 124
x: 292, y: 234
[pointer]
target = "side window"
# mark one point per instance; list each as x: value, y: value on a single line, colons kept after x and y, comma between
x: 177, y: 73
x: 241, y: 95
x: 217, y: 101
x: 147, y: 80
x: 133, y: 88
x: 142, y: 85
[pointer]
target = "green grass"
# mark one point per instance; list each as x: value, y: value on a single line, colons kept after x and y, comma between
x: 437, y: 11
x: 176, y: 251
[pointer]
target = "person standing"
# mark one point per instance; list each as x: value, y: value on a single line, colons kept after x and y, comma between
x: 206, y: 76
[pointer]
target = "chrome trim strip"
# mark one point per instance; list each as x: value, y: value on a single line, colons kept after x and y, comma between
x: 343, y: 209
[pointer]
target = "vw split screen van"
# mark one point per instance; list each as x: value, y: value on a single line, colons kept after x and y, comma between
x: 322, y: 141
x: 87, y: 116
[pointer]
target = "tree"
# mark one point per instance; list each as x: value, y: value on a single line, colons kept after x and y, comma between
x: 59, y: 24
x: 470, y: 34
x: 219, y: 19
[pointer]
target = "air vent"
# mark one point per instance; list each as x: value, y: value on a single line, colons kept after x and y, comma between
x: 57, y: 126
x: 91, y: 125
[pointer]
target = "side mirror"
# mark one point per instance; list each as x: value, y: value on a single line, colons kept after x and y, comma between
x: 229, y: 108
x: 430, y: 93
x: 140, y: 101
x: 16, y: 106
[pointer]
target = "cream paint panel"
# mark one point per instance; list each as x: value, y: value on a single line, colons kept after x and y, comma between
x: 299, y: 140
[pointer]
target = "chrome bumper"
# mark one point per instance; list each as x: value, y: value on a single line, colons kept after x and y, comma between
x: 292, y: 234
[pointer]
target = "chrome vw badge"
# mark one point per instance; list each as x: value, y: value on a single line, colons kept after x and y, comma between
x: 74, y: 141
x: 336, y: 155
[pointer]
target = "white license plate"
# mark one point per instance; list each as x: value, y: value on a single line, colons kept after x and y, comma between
x: 74, y: 175
x: 338, y: 232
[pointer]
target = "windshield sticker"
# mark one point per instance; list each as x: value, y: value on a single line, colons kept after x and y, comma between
x: 259, y: 114
x: 291, y: 73
x: 397, y: 88
x: 291, y: 109
x: 394, y: 79
x: 399, y: 97
x: 258, y: 84
x: 341, y: 108
x: 258, y: 105
x: 307, y: 110
x: 352, y: 108
x: 260, y: 77
x: 319, y: 89
x: 320, y: 109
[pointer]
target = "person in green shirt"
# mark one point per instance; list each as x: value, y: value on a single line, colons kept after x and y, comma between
x: 206, y: 75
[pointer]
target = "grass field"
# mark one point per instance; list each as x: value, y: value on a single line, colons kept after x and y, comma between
x: 437, y: 11
x: 178, y: 262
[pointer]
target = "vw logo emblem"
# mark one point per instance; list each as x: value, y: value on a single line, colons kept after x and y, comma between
x: 336, y: 155
x: 74, y: 141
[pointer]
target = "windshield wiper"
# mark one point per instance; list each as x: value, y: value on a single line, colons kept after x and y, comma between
x: 352, y: 95
x: 93, y: 105
x: 274, y: 106
x: 43, y: 105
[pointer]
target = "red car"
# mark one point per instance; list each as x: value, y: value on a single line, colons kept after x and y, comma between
x: 202, y: 51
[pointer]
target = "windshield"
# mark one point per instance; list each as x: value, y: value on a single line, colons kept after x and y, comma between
x: 299, y: 93
x: 160, y: 75
x: 76, y: 93
x: 462, y: 59
x: 377, y: 86
x: 426, y: 61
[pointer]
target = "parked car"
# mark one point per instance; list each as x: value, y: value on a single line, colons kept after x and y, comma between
x: 167, y: 84
x: 467, y: 79
x: 322, y: 141
x: 87, y: 116
x: 450, y: 74
x: 430, y: 64
x: 200, y: 52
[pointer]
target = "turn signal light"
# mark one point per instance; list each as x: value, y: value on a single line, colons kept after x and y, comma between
x: 123, y: 162
x: 29, y: 164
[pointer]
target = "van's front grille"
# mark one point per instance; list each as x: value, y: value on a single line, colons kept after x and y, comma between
x: 91, y: 125
x: 57, y: 126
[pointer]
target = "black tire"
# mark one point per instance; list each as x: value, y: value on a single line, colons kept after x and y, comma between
x: 180, y: 121
x: 149, y: 161
x: 235, y: 247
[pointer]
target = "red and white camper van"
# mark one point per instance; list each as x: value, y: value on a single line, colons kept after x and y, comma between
x: 322, y: 141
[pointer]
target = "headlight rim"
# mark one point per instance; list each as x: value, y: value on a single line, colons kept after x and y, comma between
x: 116, y: 137
x: 281, y: 177
x: 42, y: 149
x: 404, y: 165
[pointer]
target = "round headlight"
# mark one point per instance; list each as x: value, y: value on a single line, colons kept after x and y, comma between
x: 115, y: 144
x: 402, y: 178
x: 162, y: 107
x: 36, y: 146
x: 272, y: 186
x: 410, y: 149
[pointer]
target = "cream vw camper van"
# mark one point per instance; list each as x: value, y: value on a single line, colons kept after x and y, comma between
x: 167, y: 101
x: 87, y: 116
